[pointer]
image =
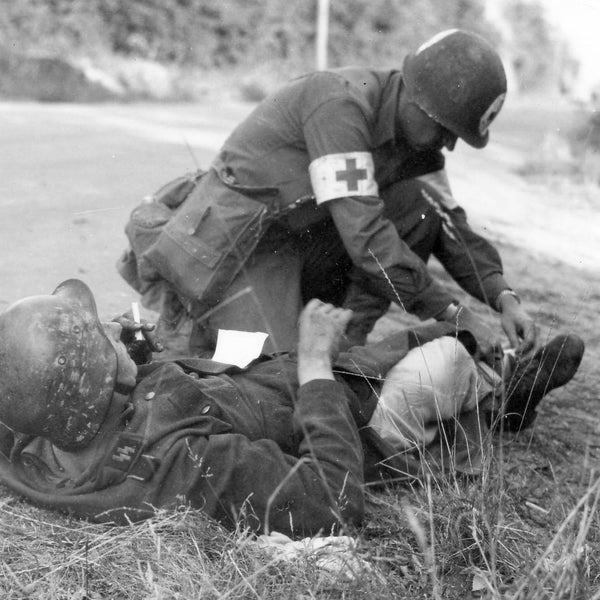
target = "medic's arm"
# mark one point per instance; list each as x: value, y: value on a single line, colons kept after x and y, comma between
x: 343, y: 179
x: 471, y: 260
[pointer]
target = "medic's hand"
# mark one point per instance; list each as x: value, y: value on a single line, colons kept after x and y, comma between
x: 140, y: 350
x: 488, y: 340
x: 519, y: 327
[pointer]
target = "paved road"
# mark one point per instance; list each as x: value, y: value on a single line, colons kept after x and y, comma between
x: 71, y: 174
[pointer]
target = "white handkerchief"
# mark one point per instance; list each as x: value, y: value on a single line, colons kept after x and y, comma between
x: 239, y: 348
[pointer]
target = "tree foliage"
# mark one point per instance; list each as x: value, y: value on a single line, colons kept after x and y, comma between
x: 246, y: 33
x: 218, y: 32
x: 532, y: 46
x: 51, y: 27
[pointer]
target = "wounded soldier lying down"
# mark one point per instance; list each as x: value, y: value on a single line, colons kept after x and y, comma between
x: 286, y: 444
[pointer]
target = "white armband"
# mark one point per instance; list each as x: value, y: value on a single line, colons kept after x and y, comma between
x: 345, y: 174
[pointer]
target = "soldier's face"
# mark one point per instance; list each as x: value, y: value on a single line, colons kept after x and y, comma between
x: 421, y: 132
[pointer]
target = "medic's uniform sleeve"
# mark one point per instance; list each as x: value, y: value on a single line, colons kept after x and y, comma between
x: 471, y: 260
x: 342, y: 176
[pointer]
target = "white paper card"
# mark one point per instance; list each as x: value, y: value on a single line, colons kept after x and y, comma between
x: 239, y: 348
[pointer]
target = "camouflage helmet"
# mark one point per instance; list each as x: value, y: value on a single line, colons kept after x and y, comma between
x: 458, y: 79
x: 57, y: 366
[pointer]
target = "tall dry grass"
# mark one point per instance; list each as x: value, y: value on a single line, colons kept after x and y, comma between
x: 447, y: 538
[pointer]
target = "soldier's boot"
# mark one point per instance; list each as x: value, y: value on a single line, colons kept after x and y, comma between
x: 529, y: 381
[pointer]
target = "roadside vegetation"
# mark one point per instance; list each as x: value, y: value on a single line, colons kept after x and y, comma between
x: 180, y: 49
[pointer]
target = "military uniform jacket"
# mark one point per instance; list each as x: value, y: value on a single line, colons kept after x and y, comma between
x: 249, y: 446
x: 326, y: 146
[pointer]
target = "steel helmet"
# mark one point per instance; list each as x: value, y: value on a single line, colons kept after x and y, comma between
x: 57, y: 366
x: 458, y: 79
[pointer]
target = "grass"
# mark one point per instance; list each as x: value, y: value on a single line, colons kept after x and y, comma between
x: 528, y: 529
x: 174, y: 555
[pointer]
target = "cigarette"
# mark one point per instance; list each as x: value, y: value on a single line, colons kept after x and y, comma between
x: 135, y: 310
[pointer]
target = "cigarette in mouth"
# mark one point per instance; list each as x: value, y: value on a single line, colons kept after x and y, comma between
x: 135, y: 309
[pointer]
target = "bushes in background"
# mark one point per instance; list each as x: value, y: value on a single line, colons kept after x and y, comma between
x: 271, y: 39
x: 221, y: 33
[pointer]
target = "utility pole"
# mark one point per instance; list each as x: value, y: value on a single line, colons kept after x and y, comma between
x: 322, y: 34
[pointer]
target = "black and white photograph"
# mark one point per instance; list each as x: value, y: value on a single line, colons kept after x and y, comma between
x: 299, y: 300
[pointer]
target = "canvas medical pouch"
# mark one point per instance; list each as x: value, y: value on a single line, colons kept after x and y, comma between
x: 204, y: 245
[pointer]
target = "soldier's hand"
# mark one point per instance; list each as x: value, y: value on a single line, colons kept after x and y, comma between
x: 140, y: 348
x: 321, y: 326
x: 519, y: 327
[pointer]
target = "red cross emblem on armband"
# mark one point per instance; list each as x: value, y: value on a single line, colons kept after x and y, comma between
x: 343, y: 174
x: 351, y: 175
